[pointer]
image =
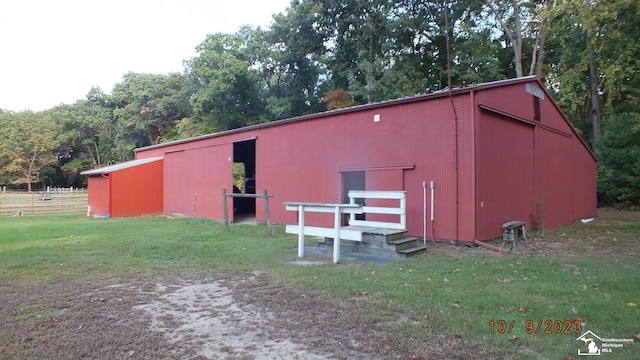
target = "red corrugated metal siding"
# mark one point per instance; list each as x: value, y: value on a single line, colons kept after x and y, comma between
x: 413, y: 141
x: 512, y: 99
x: 137, y: 190
x: 195, y: 178
x: 584, y: 183
x: 560, y: 156
x: 554, y: 179
x: 505, y: 168
x: 410, y: 144
x: 99, y: 195
x: 177, y: 184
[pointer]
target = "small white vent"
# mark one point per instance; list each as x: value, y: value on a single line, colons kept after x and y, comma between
x: 535, y: 91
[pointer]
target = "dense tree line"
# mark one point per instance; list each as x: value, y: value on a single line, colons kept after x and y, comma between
x: 328, y: 54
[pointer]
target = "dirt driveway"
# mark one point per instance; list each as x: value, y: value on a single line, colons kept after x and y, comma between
x: 212, y: 318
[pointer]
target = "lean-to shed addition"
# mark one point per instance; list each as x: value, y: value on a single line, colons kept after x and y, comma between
x: 131, y: 188
x: 495, y: 152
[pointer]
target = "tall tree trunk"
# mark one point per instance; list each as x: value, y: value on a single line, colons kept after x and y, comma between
x: 595, y: 96
x: 517, y: 39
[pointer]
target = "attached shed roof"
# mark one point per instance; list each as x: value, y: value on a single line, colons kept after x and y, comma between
x: 121, y: 166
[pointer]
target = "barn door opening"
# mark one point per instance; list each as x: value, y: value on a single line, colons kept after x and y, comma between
x: 353, y: 180
x: 244, y: 179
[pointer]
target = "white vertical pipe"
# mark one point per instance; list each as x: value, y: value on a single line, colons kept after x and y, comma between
x: 403, y: 216
x: 433, y: 194
x: 336, y: 239
x: 424, y: 212
x: 301, y: 231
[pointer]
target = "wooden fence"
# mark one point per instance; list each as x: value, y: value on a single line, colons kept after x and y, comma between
x: 54, y: 201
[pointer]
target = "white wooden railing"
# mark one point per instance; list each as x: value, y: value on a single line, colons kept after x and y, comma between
x: 336, y: 233
x: 401, y: 210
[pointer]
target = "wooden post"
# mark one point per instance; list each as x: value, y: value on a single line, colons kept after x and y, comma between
x: 301, y: 231
x: 224, y: 207
x: 266, y: 212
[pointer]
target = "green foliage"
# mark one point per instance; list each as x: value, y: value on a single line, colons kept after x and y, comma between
x: 26, y: 147
x: 227, y: 92
x: 147, y: 107
x: 619, y: 168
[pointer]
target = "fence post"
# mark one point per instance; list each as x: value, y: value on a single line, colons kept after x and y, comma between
x: 266, y: 212
x: 301, y: 231
x: 224, y: 207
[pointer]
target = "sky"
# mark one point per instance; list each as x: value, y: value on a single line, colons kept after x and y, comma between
x: 53, y: 51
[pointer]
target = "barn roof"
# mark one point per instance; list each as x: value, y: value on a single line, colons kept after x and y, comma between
x: 382, y: 104
x: 121, y: 166
x: 378, y: 105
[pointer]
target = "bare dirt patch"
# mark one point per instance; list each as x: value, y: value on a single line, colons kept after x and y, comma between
x: 250, y: 317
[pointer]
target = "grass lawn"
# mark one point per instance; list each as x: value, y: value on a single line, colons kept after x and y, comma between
x: 530, y: 304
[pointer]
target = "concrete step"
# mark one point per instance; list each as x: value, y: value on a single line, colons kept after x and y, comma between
x: 404, y: 243
x: 416, y: 250
x: 381, y: 242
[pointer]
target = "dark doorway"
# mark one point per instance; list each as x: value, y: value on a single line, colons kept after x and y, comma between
x: 353, y: 180
x: 244, y: 177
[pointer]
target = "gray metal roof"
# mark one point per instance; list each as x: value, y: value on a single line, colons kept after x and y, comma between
x: 120, y: 166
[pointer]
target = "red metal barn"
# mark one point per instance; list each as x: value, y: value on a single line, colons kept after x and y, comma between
x: 131, y: 188
x: 496, y: 152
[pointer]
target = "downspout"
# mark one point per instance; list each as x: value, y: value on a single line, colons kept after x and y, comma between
x: 455, y: 120
x: 474, y: 160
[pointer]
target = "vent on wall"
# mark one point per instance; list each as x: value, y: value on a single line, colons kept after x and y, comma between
x: 537, y: 95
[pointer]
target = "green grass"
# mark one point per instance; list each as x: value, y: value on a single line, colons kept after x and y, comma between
x: 451, y: 294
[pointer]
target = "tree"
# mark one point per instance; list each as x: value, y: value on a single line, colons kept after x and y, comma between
x: 227, y: 92
x: 338, y: 99
x: 359, y: 34
x: 521, y: 21
x: 598, y: 72
x: 149, y: 106
x: 293, y: 63
x: 619, y: 170
x: 27, y: 147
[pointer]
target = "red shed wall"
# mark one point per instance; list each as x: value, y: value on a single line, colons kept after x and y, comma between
x: 99, y: 195
x: 195, y: 176
x: 584, y: 183
x: 559, y: 158
x: 413, y: 142
x: 410, y: 144
x: 505, y: 169
x: 137, y: 190
x: 304, y: 161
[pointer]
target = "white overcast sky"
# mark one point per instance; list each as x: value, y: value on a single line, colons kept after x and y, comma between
x: 54, y: 51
